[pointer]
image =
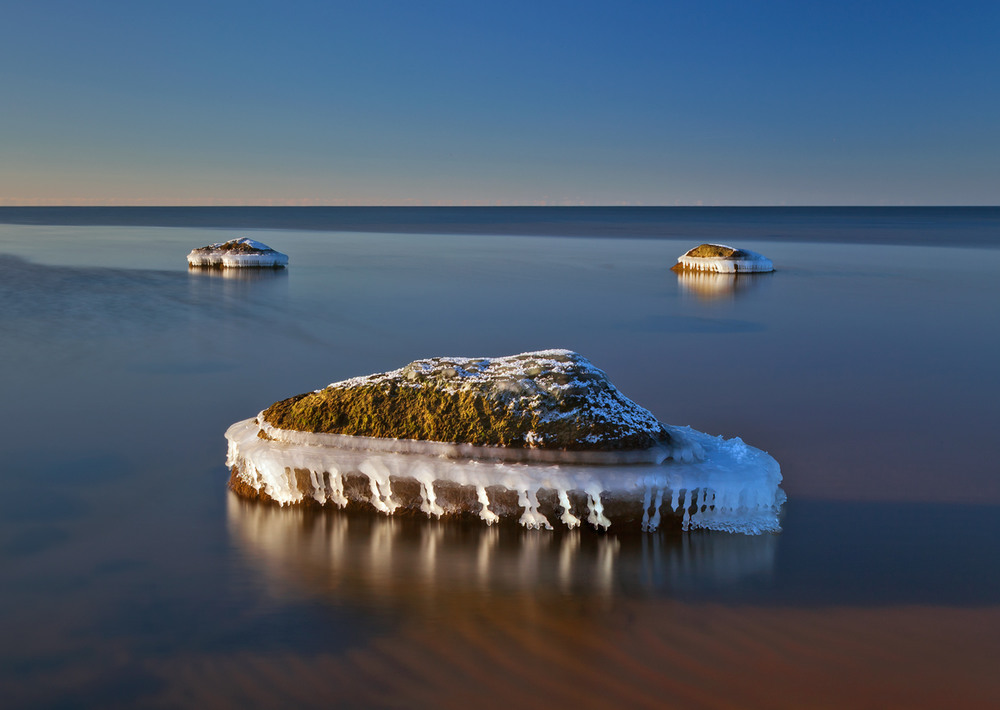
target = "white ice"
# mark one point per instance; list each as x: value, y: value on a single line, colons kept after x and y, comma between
x: 736, y: 487
x: 682, y: 448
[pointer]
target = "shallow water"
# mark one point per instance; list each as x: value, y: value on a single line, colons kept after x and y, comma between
x: 130, y: 576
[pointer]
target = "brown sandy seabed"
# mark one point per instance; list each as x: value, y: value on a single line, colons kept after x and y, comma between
x: 635, y: 654
x: 538, y: 648
x: 545, y: 652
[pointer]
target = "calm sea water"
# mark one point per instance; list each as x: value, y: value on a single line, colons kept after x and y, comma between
x: 866, y: 365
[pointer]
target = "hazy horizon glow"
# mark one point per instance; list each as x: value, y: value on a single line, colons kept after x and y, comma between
x: 521, y: 103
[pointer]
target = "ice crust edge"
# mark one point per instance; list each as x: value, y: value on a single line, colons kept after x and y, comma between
x: 733, y: 487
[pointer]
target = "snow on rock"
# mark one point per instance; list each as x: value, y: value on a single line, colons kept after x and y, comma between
x: 539, y: 402
x: 723, y: 259
x: 542, y: 437
x: 242, y: 252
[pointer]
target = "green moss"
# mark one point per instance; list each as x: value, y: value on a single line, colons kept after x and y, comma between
x: 234, y: 245
x: 715, y: 250
x: 450, y: 402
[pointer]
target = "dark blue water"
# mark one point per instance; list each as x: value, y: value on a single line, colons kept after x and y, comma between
x: 866, y: 364
x: 930, y: 226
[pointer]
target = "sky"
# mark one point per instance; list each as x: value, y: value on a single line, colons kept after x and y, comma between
x: 510, y: 102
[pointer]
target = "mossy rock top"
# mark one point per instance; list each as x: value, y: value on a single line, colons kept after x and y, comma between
x: 706, y: 251
x: 243, y: 245
x: 553, y: 399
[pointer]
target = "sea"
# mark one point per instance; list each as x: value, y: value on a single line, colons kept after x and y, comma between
x: 866, y: 364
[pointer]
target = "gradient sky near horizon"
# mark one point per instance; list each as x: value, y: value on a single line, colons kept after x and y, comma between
x: 440, y: 102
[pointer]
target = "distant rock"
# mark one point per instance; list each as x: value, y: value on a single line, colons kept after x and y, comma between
x: 723, y: 259
x: 235, y: 253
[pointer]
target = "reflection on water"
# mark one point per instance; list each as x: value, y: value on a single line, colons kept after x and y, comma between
x: 400, y: 562
x: 239, y: 293
x: 57, y: 297
x: 712, y: 286
x: 78, y: 305
x: 238, y: 274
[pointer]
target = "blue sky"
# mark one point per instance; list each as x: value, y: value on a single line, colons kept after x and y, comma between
x: 426, y: 102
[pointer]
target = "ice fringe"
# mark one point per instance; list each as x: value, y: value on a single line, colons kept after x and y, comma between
x: 710, y: 482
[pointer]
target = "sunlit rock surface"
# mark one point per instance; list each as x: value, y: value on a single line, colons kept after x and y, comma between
x: 553, y: 400
x: 540, y: 437
x: 723, y: 259
x: 242, y: 252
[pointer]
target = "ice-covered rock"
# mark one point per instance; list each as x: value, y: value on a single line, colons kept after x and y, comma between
x: 242, y: 252
x: 723, y: 259
x: 543, y: 437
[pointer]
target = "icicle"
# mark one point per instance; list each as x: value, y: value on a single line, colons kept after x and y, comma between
x: 385, y: 489
x: 429, y: 504
x: 698, y: 501
x: 686, y: 505
x: 377, y: 497
x: 655, y: 522
x: 424, y: 475
x: 425, y: 502
x: 337, y: 488
x: 596, y: 510
x: 258, y: 479
x: 485, y: 513
x: 646, y: 500
x: 568, y: 519
x: 318, y: 487
x: 531, y: 518
x: 378, y: 481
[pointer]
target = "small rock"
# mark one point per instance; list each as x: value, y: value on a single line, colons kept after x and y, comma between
x: 723, y: 259
x: 235, y: 253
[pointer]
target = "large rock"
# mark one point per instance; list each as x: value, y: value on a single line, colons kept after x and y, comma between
x: 538, y: 437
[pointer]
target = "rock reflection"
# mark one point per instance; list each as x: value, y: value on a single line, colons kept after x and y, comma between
x: 238, y: 292
x: 711, y: 286
x: 405, y: 562
x: 214, y: 272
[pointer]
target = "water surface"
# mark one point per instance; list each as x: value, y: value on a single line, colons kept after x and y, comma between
x: 130, y: 576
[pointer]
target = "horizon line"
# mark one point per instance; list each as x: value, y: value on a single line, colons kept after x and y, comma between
x: 478, y: 205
